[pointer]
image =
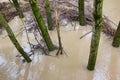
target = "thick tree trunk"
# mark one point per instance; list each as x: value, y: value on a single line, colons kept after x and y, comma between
x: 48, y: 14
x: 17, y: 6
x: 81, y: 12
x: 116, y: 40
x: 96, y: 34
x: 41, y: 24
x: 13, y: 39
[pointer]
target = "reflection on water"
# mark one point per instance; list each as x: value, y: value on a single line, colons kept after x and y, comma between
x: 71, y: 67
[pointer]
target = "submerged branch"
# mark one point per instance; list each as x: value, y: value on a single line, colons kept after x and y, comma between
x: 85, y: 34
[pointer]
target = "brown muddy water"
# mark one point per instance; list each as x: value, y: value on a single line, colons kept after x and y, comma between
x: 70, y: 67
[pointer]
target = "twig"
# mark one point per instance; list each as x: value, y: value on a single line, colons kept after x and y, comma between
x: 74, y: 25
x: 15, y: 32
x: 109, y: 20
x: 27, y: 36
x: 85, y: 34
x: 40, y: 44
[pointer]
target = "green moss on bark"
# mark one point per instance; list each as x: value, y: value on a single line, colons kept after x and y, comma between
x: 13, y: 39
x: 17, y: 6
x: 41, y: 24
x: 96, y: 34
x: 116, y: 40
x: 48, y: 14
x: 81, y: 14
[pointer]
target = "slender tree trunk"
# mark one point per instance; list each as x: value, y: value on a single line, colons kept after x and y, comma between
x: 13, y: 39
x: 81, y: 12
x: 41, y: 24
x: 60, y: 50
x: 17, y: 6
x: 96, y: 34
x: 48, y: 14
x: 116, y: 40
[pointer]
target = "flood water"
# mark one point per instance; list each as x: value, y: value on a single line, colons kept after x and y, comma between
x: 64, y: 67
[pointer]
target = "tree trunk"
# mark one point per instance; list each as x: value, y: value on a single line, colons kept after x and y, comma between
x: 81, y: 12
x: 116, y: 40
x: 13, y: 39
x: 41, y: 24
x: 60, y: 50
x: 48, y: 14
x: 17, y: 6
x: 96, y: 34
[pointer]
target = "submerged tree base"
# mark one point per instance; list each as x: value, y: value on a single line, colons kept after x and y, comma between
x: 115, y: 45
x: 90, y: 68
x: 60, y: 51
x: 116, y: 40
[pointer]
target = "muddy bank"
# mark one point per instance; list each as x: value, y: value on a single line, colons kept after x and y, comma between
x: 66, y: 10
x: 9, y: 12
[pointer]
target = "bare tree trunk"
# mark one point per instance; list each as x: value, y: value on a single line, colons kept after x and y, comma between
x: 96, y: 34
x: 41, y: 24
x: 60, y: 50
x: 17, y: 6
x: 116, y: 40
x: 81, y: 12
x: 48, y: 14
x: 13, y: 39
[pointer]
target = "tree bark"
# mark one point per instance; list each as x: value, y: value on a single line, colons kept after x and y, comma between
x: 13, y: 39
x: 116, y: 40
x: 48, y: 14
x: 96, y: 34
x: 41, y: 24
x: 17, y: 6
x: 81, y: 12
